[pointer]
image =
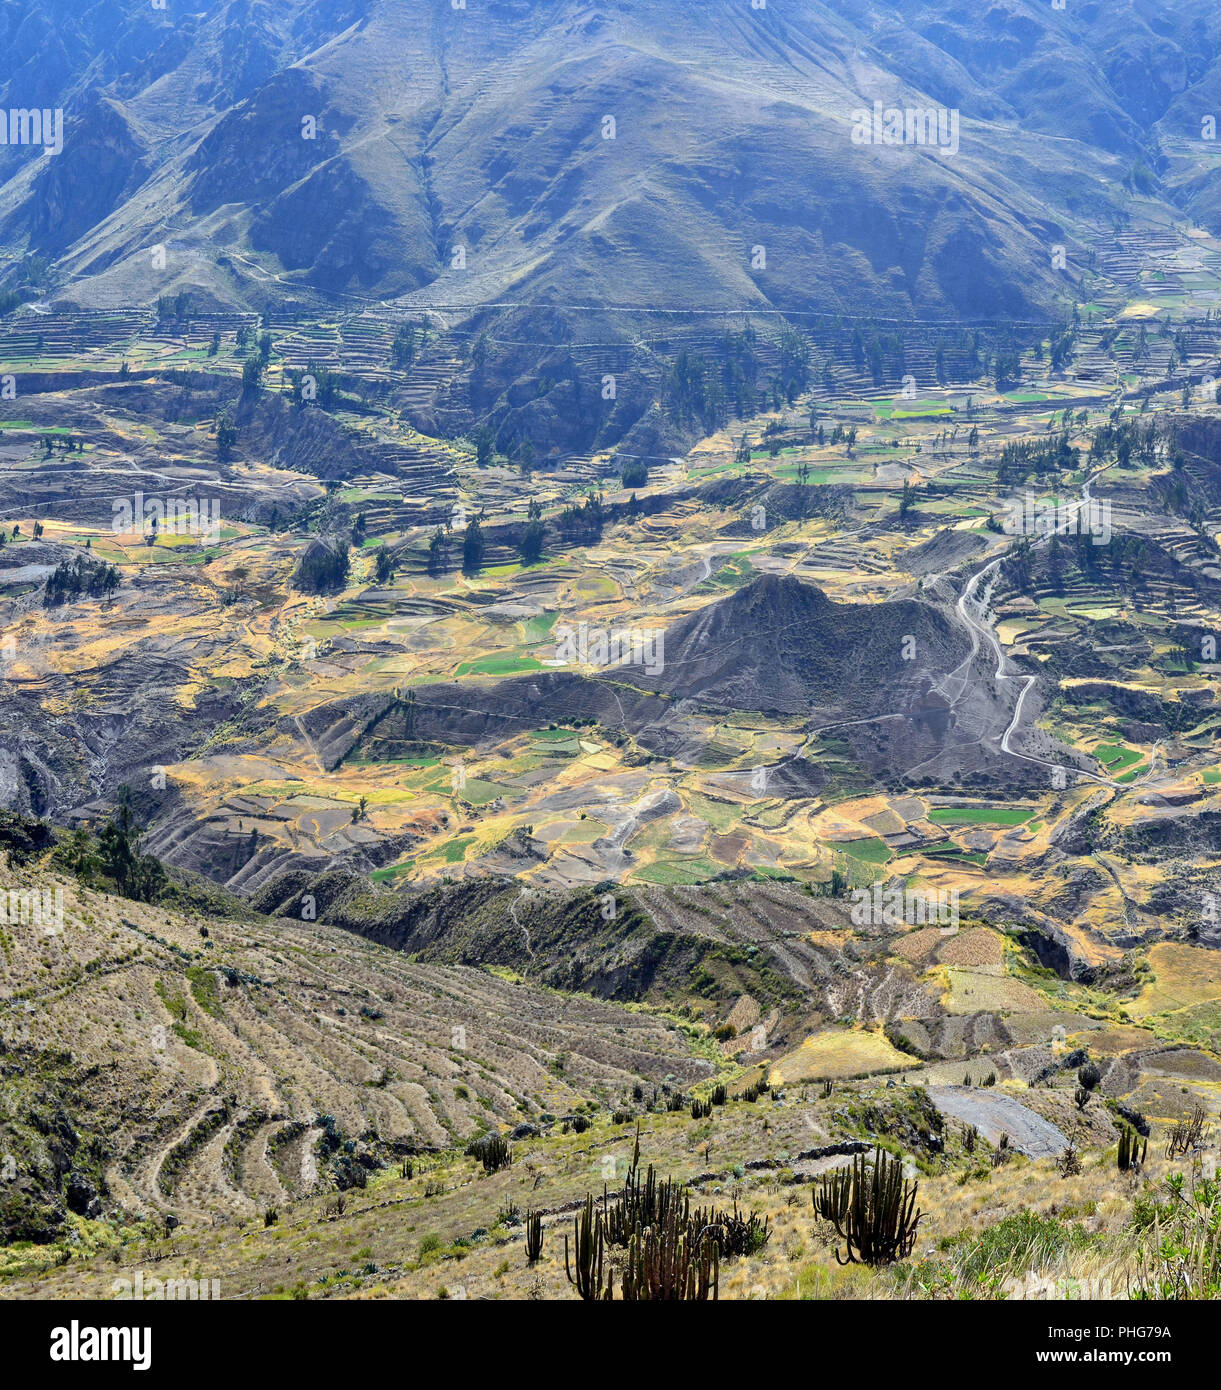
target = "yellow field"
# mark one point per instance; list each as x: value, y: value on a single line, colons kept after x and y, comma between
x: 972, y: 992
x: 834, y: 1055
x: 1184, y: 975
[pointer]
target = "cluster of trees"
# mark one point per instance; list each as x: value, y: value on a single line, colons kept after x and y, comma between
x: 1126, y: 440
x: 72, y: 578
x: 174, y: 306
x: 472, y: 547
x: 740, y: 372
x: 68, y: 443
x: 794, y: 374
x: 226, y: 437
x: 694, y: 394
x: 1023, y: 457
x: 1125, y: 557
x: 438, y: 551
x: 324, y: 566
x: 408, y: 342
x: 114, y: 854
x: 1062, y: 344
x: 700, y: 394
x: 583, y: 524
x: 872, y: 350
x: 633, y: 473
x: 531, y: 546
x: 484, y: 447
x: 255, y: 365
x: 325, y: 386
x: 1007, y: 368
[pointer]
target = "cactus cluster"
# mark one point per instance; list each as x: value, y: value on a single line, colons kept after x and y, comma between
x: 873, y: 1209
x: 534, y: 1237
x: 755, y: 1090
x: 669, y: 1251
x: 584, y: 1270
x: 492, y: 1150
x: 670, y: 1262
x: 1129, y: 1142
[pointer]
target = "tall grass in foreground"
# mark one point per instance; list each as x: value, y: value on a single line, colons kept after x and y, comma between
x: 1181, y: 1258
x: 1169, y: 1249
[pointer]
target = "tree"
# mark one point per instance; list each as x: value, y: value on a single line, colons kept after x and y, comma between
x: 80, y: 852
x: 385, y: 564
x: 532, y: 543
x: 226, y: 437
x: 908, y: 499
x: 138, y: 876
x: 480, y: 349
x: 483, y: 447
x: 472, y: 547
x: 634, y: 474
x: 438, y: 552
x: 252, y: 375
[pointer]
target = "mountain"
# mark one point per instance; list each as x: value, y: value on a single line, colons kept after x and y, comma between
x: 781, y: 645
x: 433, y: 130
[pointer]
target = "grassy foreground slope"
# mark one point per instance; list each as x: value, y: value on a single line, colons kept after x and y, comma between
x: 1013, y: 1229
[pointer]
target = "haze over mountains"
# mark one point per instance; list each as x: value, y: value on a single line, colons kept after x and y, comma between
x: 482, y: 130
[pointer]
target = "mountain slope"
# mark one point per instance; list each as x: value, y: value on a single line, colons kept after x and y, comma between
x: 440, y: 129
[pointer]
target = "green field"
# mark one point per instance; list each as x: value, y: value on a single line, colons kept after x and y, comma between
x: 672, y: 872
x: 869, y: 850
x: 1115, y: 757
x: 978, y: 815
x: 956, y: 854
x: 499, y: 666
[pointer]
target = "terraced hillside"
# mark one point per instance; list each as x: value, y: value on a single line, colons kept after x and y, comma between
x: 161, y: 1064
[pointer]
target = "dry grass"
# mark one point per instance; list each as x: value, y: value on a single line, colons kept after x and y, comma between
x: 837, y: 1054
